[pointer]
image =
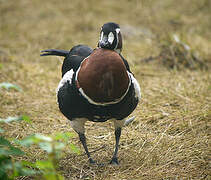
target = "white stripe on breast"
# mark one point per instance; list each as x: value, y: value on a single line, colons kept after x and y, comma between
x: 107, y: 103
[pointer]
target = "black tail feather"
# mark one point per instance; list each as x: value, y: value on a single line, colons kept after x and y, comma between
x: 54, y: 52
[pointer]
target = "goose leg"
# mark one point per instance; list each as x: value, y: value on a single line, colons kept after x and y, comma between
x: 78, y: 125
x: 118, y: 124
x: 114, y: 159
x: 82, y: 138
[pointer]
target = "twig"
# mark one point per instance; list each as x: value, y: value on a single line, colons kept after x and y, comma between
x: 154, y: 147
x: 94, y: 150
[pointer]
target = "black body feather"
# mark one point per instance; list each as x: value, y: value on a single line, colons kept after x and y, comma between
x: 73, y: 58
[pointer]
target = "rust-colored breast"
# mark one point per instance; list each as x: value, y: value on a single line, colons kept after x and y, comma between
x: 103, y: 76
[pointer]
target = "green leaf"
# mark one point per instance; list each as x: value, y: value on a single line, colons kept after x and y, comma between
x: 28, y: 164
x: 74, y: 149
x: 28, y: 172
x: 10, y: 86
x: 22, y: 170
x: 16, y: 118
x: 63, y: 136
x: 1, y: 66
x: 11, y: 151
x: 43, y: 138
x: 59, y: 146
x: 34, y: 139
x: 28, y: 141
x: 8, y: 149
x: 18, y: 168
x: 53, y: 176
x: 46, y: 146
x: 5, y: 162
x: 44, y: 165
x: 1, y: 130
x: 26, y: 119
x: 16, y: 151
x: 4, y: 175
x: 11, y: 119
x: 4, y: 142
x: 6, y: 165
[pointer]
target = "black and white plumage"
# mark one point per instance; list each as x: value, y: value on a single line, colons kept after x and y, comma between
x: 97, y: 85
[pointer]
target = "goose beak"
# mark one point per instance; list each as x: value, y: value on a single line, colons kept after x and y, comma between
x: 104, y: 43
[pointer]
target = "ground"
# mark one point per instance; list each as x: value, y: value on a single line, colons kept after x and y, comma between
x: 170, y: 137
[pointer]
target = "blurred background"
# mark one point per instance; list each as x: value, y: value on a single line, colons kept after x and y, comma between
x: 168, y: 46
x: 36, y: 24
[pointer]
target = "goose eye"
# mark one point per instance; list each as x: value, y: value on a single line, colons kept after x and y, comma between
x: 110, y: 37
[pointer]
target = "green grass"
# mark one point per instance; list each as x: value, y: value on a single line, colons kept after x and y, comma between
x: 170, y: 137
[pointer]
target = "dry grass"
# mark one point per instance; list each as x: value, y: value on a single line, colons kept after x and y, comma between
x: 170, y: 138
x: 176, y: 54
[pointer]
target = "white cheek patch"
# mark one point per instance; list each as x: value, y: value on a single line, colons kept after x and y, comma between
x: 117, y: 37
x: 101, y: 36
x: 117, y: 30
x: 110, y: 37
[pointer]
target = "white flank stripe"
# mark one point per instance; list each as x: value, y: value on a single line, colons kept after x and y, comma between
x: 136, y: 86
x: 67, y: 76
